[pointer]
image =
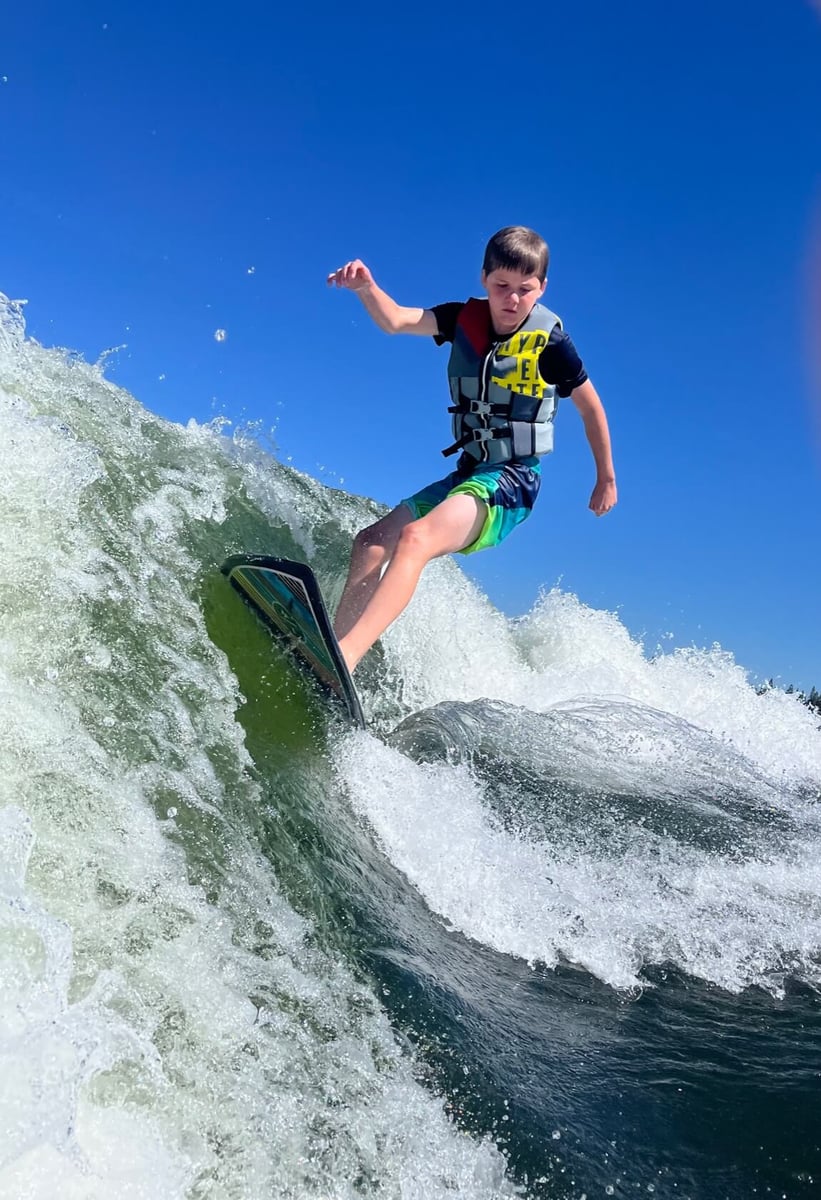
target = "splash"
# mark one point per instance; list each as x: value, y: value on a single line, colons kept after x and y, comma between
x: 171, y: 1025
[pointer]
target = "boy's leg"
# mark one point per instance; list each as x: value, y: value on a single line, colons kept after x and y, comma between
x: 372, y: 548
x: 452, y: 525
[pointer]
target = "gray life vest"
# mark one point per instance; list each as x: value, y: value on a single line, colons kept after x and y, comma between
x: 502, y: 408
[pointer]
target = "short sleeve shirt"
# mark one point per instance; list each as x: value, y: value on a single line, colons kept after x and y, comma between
x: 559, y: 362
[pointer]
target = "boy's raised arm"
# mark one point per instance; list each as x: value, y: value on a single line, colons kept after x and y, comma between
x: 388, y: 315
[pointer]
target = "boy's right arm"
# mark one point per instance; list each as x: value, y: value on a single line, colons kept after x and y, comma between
x: 387, y: 314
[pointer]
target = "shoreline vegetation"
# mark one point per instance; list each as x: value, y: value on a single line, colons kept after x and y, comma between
x: 812, y: 699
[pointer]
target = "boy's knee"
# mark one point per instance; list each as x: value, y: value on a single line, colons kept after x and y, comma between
x: 413, y: 538
x: 384, y: 533
x: 370, y: 541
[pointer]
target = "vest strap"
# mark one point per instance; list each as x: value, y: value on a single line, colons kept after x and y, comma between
x: 476, y: 435
x: 480, y: 408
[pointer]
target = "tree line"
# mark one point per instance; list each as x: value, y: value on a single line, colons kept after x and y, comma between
x: 812, y: 699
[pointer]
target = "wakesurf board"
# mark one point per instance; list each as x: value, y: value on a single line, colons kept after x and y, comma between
x: 286, y: 595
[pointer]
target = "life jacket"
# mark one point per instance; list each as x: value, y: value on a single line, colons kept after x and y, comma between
x: 502, y: 408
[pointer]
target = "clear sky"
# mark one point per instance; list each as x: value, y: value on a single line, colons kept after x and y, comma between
x: 169, y: 170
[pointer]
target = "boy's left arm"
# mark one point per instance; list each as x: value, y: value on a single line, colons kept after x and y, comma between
x: 587, y: 401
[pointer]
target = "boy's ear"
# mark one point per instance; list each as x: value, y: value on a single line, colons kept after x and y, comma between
x: 544, y: 285
x: 483, y: 277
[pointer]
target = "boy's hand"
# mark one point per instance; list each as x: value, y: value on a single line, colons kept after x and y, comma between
x: 380, y: 307
x: 604, y: 497
x: 354, y: 275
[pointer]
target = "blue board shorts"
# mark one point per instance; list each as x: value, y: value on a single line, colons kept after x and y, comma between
x: 508, y: 489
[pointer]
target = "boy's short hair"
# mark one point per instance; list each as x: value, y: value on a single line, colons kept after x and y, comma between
x: 517, y: 248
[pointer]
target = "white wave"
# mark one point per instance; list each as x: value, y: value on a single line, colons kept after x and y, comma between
x: 608, y: 907
x: 169, y: 1027
x: 650, y: 726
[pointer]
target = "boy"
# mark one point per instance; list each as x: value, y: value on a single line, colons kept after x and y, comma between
x: 509, y: 360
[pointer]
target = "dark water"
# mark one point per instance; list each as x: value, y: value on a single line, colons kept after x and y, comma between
x: 673, y: 1088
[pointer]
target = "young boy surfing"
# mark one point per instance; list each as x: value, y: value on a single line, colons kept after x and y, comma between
x: 510, y: 359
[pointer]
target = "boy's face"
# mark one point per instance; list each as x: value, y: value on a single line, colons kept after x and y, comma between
x: 511, y: 295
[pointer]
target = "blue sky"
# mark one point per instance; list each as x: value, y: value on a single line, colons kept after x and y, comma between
x: 169, y: 171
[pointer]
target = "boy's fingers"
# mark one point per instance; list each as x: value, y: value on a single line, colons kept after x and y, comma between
x: 353, y: 272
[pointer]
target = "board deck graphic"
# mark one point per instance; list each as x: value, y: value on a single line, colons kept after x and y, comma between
x: 287, y: 596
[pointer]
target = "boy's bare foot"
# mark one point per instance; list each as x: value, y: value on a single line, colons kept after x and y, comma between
x: 350, y: 661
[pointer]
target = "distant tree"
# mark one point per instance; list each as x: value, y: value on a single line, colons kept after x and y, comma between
x: 812, y: 700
